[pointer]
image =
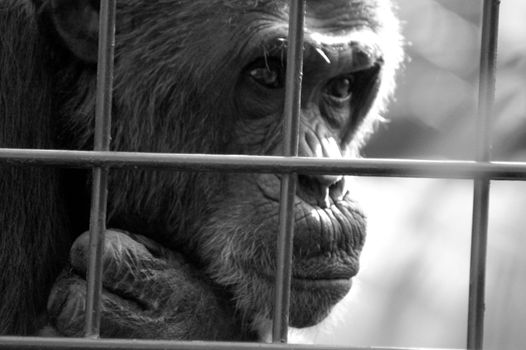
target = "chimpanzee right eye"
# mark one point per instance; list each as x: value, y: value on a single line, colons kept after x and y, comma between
x: 267, y: 72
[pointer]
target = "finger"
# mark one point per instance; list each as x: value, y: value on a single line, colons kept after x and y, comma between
x: 66, y: 305
x: 119, y: 317
x: 119, y: 248
x: 49, y: 332
x: 158, y: 250
x: 153, y: 286
x: 130, y: 269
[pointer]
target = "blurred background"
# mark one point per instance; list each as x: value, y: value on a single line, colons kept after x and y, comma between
x: 412, y: 289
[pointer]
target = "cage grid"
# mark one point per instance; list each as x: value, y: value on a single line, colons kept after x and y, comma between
x: 482, y: 171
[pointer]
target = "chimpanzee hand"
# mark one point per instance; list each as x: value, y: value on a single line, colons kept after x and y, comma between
x: 148, y: 292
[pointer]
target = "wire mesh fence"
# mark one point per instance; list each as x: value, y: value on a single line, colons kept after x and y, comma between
x: 102, y: 161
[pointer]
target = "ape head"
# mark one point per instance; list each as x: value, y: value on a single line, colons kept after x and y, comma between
x: 207, y: 76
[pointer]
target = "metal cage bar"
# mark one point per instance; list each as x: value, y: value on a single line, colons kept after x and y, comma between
x: 289, y: 180
x: 99, y: 194
x: 30, y: 343
x: 481, y: 195
x: 269, y: 164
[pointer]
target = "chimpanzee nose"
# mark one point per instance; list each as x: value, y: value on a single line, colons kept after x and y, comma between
x: 321, y: 190
x: 319, y: 141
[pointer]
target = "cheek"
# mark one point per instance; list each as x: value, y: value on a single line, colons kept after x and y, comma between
x: 337, y: 116
x: 255, y: 103
x: 260, y: 136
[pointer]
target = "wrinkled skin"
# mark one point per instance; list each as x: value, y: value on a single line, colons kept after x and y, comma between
x: 206, y: 76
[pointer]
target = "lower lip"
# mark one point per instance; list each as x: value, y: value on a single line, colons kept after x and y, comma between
x: 313, y: 283
x: 303, y: 283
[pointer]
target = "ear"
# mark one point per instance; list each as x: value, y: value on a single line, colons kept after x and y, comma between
x: 77, y: 22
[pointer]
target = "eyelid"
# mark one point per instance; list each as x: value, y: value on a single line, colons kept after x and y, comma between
x: 334, y: 106
x: 337, y: 102
x: 269, y: 64
x: 267, y: 61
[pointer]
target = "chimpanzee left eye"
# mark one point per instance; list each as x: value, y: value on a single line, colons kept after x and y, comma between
x: 340, y: 88
x: 267, y: 73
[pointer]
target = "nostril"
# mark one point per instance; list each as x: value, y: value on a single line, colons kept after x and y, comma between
x: 336, y: 190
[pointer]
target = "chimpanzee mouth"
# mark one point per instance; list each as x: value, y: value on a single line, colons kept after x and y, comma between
x: 314, y: 272
x: 327, y: 241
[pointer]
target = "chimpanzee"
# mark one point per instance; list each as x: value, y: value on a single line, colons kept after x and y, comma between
x: 189, y: 255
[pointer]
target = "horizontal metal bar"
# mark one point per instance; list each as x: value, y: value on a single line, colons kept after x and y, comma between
x: 125, y: 344
x: 269, y: 164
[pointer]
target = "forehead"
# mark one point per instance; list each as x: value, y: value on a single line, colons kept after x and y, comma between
x: 331, y: 8
x: 329, y: 25
x: 321, y: 15
x: 340, y: 15
x: 315, y: 8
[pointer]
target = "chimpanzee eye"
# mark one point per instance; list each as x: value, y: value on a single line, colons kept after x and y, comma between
x: 340, y: 88
x: 268, y: 73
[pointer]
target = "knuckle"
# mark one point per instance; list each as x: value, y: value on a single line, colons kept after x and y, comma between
x: 119, y: 249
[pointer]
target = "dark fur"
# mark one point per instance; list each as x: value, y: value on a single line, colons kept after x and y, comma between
x: 174, y: 92
x: 34, y: 228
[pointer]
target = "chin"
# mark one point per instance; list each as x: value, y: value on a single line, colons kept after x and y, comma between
x: 311, y: 303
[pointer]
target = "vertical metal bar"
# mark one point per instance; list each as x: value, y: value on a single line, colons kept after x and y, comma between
x: 102, y: 139
x: 479, y: 235
x: 488, y: 67
x: 292, y: 109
